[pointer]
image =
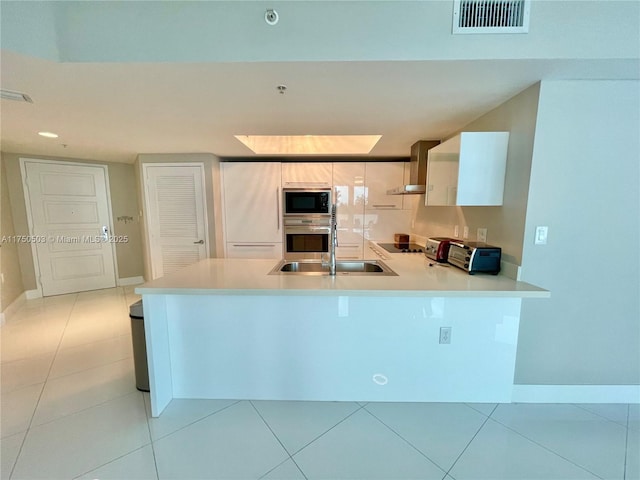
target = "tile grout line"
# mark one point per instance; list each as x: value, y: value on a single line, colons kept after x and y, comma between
x: 111, y: 461
x: 360, y: 407
x: 147, y: 414
x: 44, y: 384
x: 281, y: 444
x: 472, y: 439
x: 626, y: 444
x: 546, y: 448
x: 234, y: 402
x: 577, y: 405
x: 407, y: 442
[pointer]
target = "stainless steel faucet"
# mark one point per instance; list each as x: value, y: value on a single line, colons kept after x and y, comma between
x: 334, y: 240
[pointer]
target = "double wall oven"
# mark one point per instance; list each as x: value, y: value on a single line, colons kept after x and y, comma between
x: 307, y: 222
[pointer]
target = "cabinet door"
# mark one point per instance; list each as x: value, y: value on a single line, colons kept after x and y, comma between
x: 254, y: 250
x: 349, y: 190
x: 311, y: 174
x: 380, y: 177
x: 468, y: 169
x: 252, y: 209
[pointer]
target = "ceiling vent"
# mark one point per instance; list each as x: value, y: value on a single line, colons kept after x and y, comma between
x: 491, y: 16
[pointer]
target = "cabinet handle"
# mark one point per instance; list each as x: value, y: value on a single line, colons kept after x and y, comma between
x: 306, y: 183
x: 251, y: 245
x: 350, y: 246
x: 199, y: 242
x: 278, y: 207
x: 384, y: 206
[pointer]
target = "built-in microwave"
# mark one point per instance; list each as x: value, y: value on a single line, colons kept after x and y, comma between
x: 306, y: 201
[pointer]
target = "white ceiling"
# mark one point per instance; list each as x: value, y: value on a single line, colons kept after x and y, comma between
x: 114, y: 111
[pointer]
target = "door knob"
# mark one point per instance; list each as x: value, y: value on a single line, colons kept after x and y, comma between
x: 199, y: 242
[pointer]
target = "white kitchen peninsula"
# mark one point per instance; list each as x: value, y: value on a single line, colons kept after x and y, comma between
x: 225, y: 328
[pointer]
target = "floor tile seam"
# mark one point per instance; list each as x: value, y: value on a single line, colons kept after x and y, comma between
x: 470, y: 442
x: 35, y: 409
x: 626, y: 444
x: 147, y: 414
x: 117, y: 397
x: 279, y: 441
x: 154, y: 440
x: 271, y: 430
x: 21, y: 387
x: 40, y: 356
x: 282, y: 463
x: 479, y: 411
x: 111, y: 461
x: 548, y: 449
x: 626, y: 424
x: 95, y: 367
x: 80, y: 345
x: 327, y: 431
x: 408, y: 442
x: 15, y: 460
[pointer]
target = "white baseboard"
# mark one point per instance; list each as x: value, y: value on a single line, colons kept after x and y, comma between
x: 124, y: 282
x: 576, y: 394
x: 8, y: 312
x: 31, y: 294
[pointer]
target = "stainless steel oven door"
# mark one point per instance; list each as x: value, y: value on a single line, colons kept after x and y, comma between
x: 306, y: 242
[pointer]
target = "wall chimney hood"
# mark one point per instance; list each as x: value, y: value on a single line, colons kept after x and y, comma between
x: 418, y: 169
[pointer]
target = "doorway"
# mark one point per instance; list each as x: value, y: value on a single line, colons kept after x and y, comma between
x: 69, y: 214
x: 176, y: 215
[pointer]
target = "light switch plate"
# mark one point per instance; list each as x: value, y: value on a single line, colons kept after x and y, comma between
x: 465, y: 232
x: 482, y: 235
x: 541, y: 235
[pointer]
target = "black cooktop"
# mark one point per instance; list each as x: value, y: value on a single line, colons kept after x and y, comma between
x: 405, y: 248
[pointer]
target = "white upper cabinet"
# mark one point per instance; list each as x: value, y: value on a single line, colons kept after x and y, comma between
x: 380, y: 177
x: 468, y: 169
x: 349, y: 191
x: 307, y: 174
x: 252, y: 202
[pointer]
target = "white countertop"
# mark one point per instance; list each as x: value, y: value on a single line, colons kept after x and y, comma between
x: 219, y: 276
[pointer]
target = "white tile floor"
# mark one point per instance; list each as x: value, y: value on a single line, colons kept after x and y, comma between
x: 70, y: 409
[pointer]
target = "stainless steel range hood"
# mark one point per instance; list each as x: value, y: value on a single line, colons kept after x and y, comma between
x: 418, y: 171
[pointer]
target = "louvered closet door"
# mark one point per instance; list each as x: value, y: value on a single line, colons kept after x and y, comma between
x: 176, y: 209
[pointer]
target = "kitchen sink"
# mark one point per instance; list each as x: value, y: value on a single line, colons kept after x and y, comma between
x: 343, y: 267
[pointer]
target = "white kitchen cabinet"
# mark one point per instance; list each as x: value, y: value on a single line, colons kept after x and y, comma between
x: 307, y: 174
x: 252, y: 209
x: 349, y: 191
x: 380, y: 177
x: 468, y: 169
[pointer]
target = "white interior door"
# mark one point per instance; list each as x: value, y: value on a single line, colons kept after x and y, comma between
x: 176, y: 213
x: 70, y: 226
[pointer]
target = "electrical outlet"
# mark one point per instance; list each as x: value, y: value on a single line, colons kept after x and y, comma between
x: 482, y: 235
x: 465, y: 232
x: 2, y: 277
x: 445, y: 335
x: 456, y: 231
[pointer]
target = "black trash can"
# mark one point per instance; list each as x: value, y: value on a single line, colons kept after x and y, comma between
x: 139, y: 346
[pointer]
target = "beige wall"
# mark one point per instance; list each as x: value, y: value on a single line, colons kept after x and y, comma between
x: 505, y: 224
x: 212, y: 192
x: 585, y: 186
x: 11, y: 287
x: 124, y: 203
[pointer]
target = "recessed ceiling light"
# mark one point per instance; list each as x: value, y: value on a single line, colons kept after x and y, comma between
x: 17, y: 96
x: 48, y: 134
x: 310, y: 144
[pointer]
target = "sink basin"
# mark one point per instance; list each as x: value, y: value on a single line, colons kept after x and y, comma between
x: 343, y: 267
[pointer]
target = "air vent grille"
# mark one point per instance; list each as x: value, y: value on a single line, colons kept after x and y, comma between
x: 491, y: 16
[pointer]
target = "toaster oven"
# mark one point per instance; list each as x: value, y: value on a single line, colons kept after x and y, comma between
x: 475, y: 257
